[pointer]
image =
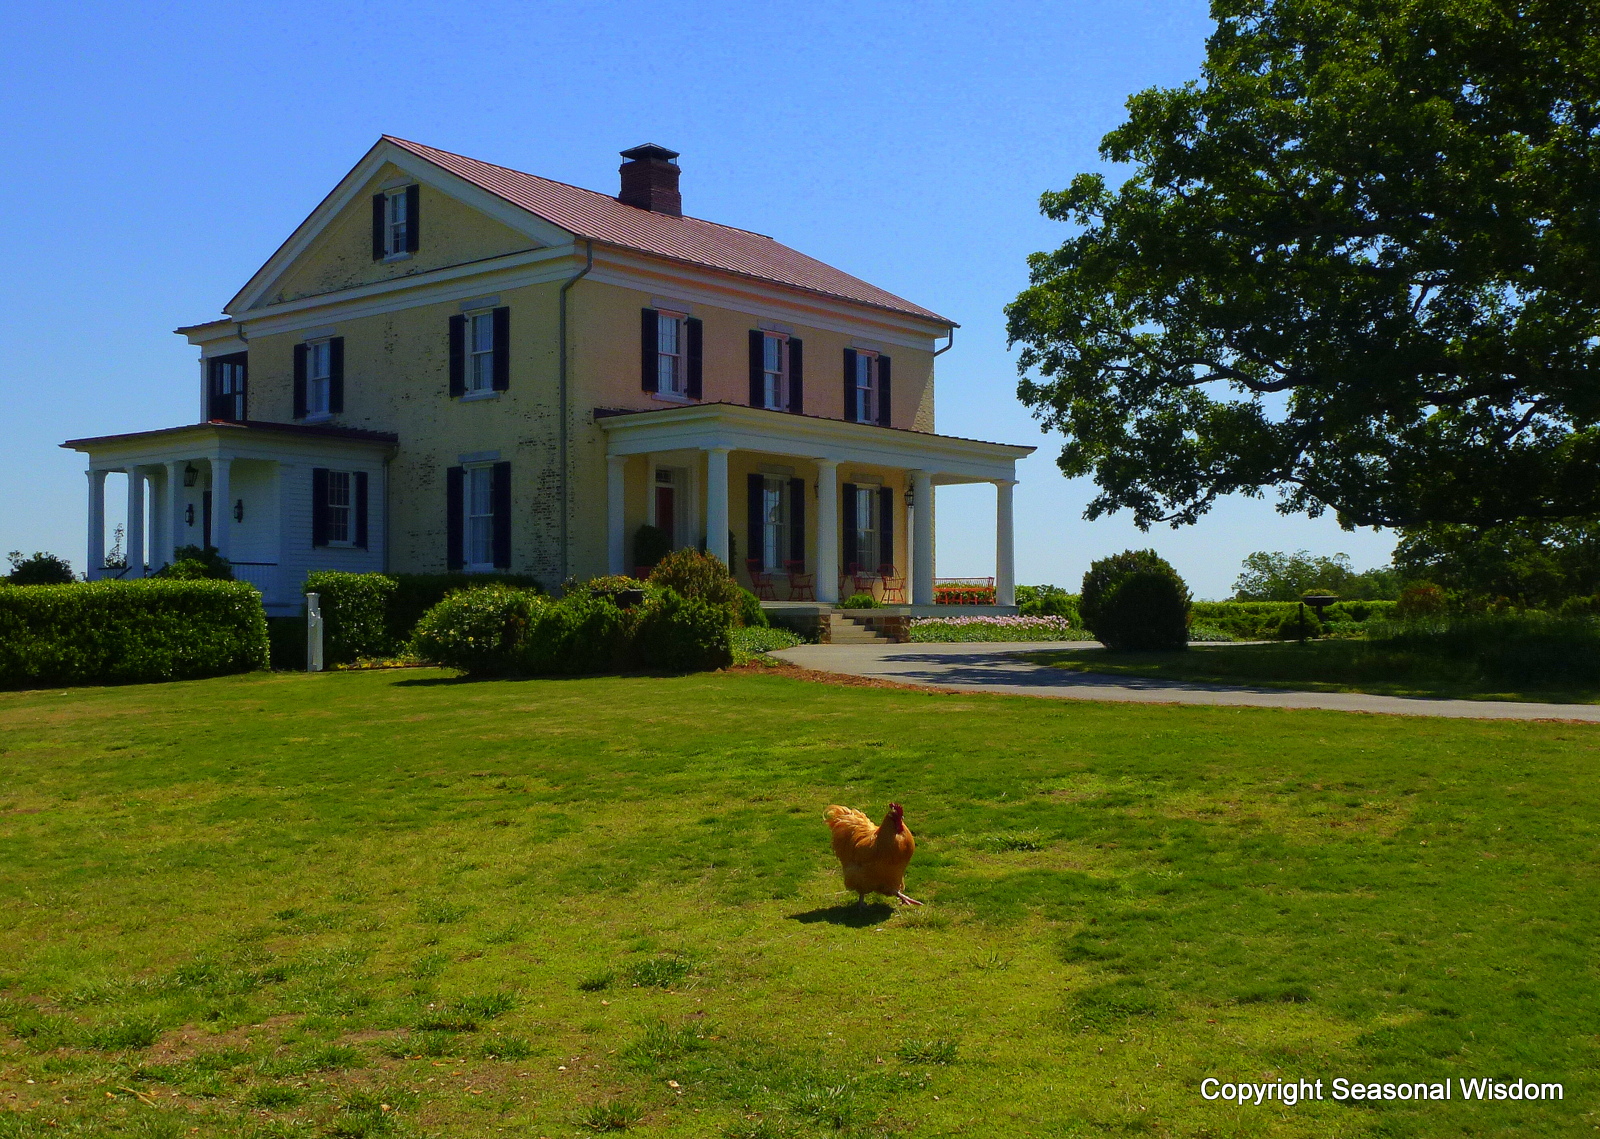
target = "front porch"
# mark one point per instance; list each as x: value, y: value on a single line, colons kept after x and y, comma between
x: 275, y: 500
x: 805, y: 510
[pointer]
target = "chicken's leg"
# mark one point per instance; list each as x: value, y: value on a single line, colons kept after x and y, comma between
x: 905, y: 899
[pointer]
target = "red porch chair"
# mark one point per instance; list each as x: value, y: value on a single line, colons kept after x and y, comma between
x: 862, y: 578
x: 760, y: 580
x: 894, y: 585
x: 802, y: 585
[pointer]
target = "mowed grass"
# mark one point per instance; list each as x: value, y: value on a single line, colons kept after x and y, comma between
x: 1340, y: 665
x: 390, y: 903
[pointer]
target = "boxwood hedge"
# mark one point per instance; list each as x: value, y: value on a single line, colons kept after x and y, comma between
x: 120, y: 632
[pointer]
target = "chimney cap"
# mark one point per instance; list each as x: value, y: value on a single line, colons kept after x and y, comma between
x: 650, y: 150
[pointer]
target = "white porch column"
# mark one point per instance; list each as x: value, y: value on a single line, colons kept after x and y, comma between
x: 717, y: 503
x: 221, y: 505
x: 133, y: 537
x: 827, y: 531
x: 175, y: 524
x: 97, y: 525
x: 1005, y: 565
x: 616, y: 531
x: 922, y: 538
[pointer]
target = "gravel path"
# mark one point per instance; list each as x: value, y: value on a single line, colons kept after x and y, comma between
x: 996, y: 667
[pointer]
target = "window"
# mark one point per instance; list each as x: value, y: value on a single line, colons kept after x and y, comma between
x: 775, y: 371
x: 774, y: 523
x: 866, y: 387
x: 339, y: 508
x: 478, y: 512
x: 671, y: 375
x: 319, y: 377
x: 397, y: 223
x: 480, y: 352
x: 394, y: 223
x: 867, y: 526
x: 227, y: 397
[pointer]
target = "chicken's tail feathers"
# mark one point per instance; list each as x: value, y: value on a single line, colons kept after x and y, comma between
x: 846, y: 816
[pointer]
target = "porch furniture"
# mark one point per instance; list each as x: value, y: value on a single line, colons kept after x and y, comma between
x: 802, y: 585
x: 862, y: 579
x: 760, y: 580
x: 894, y: 585
x: 963, y: 591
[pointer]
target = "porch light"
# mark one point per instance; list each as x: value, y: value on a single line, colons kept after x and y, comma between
x: 190, y: 477
x: 911, y: 498
x: 188, y: 515
x: 238, y: 510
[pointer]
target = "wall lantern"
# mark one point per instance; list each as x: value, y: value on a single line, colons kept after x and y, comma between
x: 190, y: 477
x: 188, y: 514
x: 911, y: 498
x: 238, y: 510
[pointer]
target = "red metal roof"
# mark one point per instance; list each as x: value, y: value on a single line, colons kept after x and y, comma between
x: 601, y: 218
x: 325, y: 431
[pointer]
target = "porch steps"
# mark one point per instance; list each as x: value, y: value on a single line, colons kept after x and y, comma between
x: 846, y: 630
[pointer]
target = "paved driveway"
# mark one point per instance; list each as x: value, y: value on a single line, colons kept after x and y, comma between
x: 996, y: 667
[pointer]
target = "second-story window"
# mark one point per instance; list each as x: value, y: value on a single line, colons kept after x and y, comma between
x: 866, y: 387
x: 395, y: 223
x: 671, y: 372
x: 480, y: 352
x: 226, y: 394
x: 319, y: 377
x: 775, y: 371
x: 399, y: 228
x: 669, y: 353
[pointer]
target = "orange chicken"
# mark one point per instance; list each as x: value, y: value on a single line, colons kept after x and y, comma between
x: 874, y: 858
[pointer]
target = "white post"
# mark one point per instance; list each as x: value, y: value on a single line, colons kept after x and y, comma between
x: 221, y: 505
x: 616, y: 530
x: 97, y: 526
x: 827, y: 531
x: 1005, y: 564
x: 922, y: 539
x: 313, y: 630
x: 133, y: 538
x: 717, y: 503
x: 175, y: 524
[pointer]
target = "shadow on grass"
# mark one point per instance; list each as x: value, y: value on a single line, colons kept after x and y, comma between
x: 852, y: 915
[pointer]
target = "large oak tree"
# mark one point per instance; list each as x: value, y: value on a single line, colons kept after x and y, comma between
x: 1355, y: 261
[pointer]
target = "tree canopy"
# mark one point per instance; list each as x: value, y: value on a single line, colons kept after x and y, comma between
x: 1537, y: 564
x: 1289, y: 577
x: 1355, y: 261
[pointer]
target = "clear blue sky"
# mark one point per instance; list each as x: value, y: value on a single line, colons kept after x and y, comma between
x: 155, y: 155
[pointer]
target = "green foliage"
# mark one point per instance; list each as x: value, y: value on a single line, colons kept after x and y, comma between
x: 114, y: 632
x: 1289, y: 577
x: 701, y: 577
x: 751, y: 615
x: 1151, y: 615
x: 650, y: 545
x: 578, y: 634
x: 1047, y: 601
x: 479, y: 631
x: 682, y: 634
x: 608, y: 587
x: 192, y: 563
x: 1300, y: 624
x: 1535, y: 565
x: 40, y: 569
x: 859, y: 601
x: 354, y: 613
x: 750, y: 641
x: 1273, y: 297
x: 416, y: 593
x: 927, y: 1051
x: 1421, y: 601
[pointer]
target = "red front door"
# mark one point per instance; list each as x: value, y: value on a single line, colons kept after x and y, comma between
x: 665, y: 519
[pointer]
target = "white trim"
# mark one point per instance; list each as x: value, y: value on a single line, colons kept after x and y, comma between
x: 473, y: 395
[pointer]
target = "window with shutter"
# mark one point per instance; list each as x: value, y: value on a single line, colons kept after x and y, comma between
x: 226, y: 388
x: 395, y: 225
x: 318, y: 377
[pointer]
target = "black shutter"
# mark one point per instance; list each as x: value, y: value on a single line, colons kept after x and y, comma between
x: 649, y: 350
x: 359, y: 490
x: 455, y: 479
x: 758, y: 368
x: 380, y: 219
x: 797, y: 519
x: 886, y: 526
x: 500, y: 497
x: 458, y: 355
x: 847, y: 512
x: 696, y: 336
x: 336, y: 375
x: 755, y: 543
x: 319, y: 506
x: 214, y: 409
x: 797, y: 387
x: 413, y: 220
x: 299, y: 381
x: 502, y: 349
x: 850, y: 384
x: 883, y: 390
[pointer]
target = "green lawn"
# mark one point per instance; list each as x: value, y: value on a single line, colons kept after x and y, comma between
x: 359, y: 904
x: 1344, y: 665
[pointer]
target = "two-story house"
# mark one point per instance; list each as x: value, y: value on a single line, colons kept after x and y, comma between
x: 452, y: 365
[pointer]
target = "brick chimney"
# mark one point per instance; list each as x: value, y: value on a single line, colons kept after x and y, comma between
x: 650, y: 180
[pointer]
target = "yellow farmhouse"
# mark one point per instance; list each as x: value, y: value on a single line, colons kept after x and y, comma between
x: 452, y: 365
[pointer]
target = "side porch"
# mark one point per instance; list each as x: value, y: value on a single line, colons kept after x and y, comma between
x: 805, y: 510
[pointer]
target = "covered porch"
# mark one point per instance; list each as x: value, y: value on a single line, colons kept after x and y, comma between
x: 803, y: 509
x: 251, y: 491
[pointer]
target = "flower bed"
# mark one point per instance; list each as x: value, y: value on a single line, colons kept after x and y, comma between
x: 963, y: 594
x: 948, y: 629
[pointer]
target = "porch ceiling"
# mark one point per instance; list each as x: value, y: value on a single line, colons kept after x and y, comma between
x: 948, y: 458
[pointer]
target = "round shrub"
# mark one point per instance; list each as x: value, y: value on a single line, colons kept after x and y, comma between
x: 579, y: 633
x: 194, y: 563
x: 479, y: 631
x: 41, y: 569
x: 1135, y: 600
x: 1107, y: 574
x: 699, y: 577
x: 859, y: 601
x: 682, y: 634
x: 1297, y: 625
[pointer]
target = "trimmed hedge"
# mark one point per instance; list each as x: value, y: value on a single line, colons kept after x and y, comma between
x: 1154, y: 613
x: 125, y: 632
x: 1262, y: 620
x: 375, y: 614
x: 479, y: 631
